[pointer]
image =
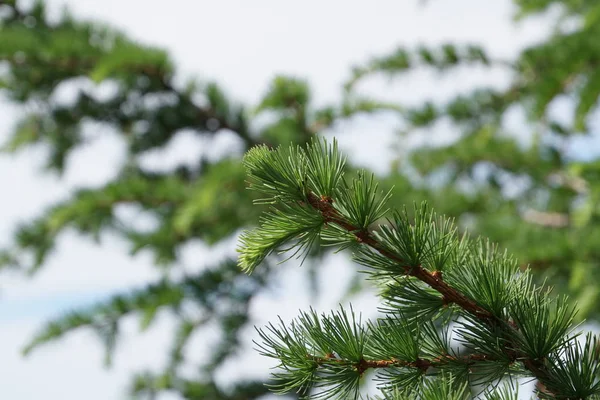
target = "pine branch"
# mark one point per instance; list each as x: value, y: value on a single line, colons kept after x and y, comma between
x: 508, y: 322
x: 36, y: 74
x: 434, y: 279
x: 84, y: 66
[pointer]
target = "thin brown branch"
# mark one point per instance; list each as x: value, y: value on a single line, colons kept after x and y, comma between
x: 420, y: 363
x: 434, y: 280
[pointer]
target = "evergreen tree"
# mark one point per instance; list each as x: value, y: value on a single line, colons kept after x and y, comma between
x: 548, y: 224
x: 435, y: 285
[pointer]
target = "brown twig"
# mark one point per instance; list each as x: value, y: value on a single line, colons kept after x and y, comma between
x: 420, y: 363
x: 432, y: 279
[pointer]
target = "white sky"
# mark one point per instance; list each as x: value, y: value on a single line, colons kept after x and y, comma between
x: 241, y: 44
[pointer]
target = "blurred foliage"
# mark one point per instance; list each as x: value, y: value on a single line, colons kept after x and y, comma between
x: 522, y: 189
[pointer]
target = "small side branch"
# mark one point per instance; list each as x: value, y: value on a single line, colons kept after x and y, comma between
x: 420, y: 363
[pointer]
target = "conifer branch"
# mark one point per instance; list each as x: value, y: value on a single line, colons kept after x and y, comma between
x: 509, y: 323
x: 433, y: 279
x: 77, y: 66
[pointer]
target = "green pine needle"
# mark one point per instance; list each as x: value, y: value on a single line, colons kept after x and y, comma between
x: 299, y: 224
